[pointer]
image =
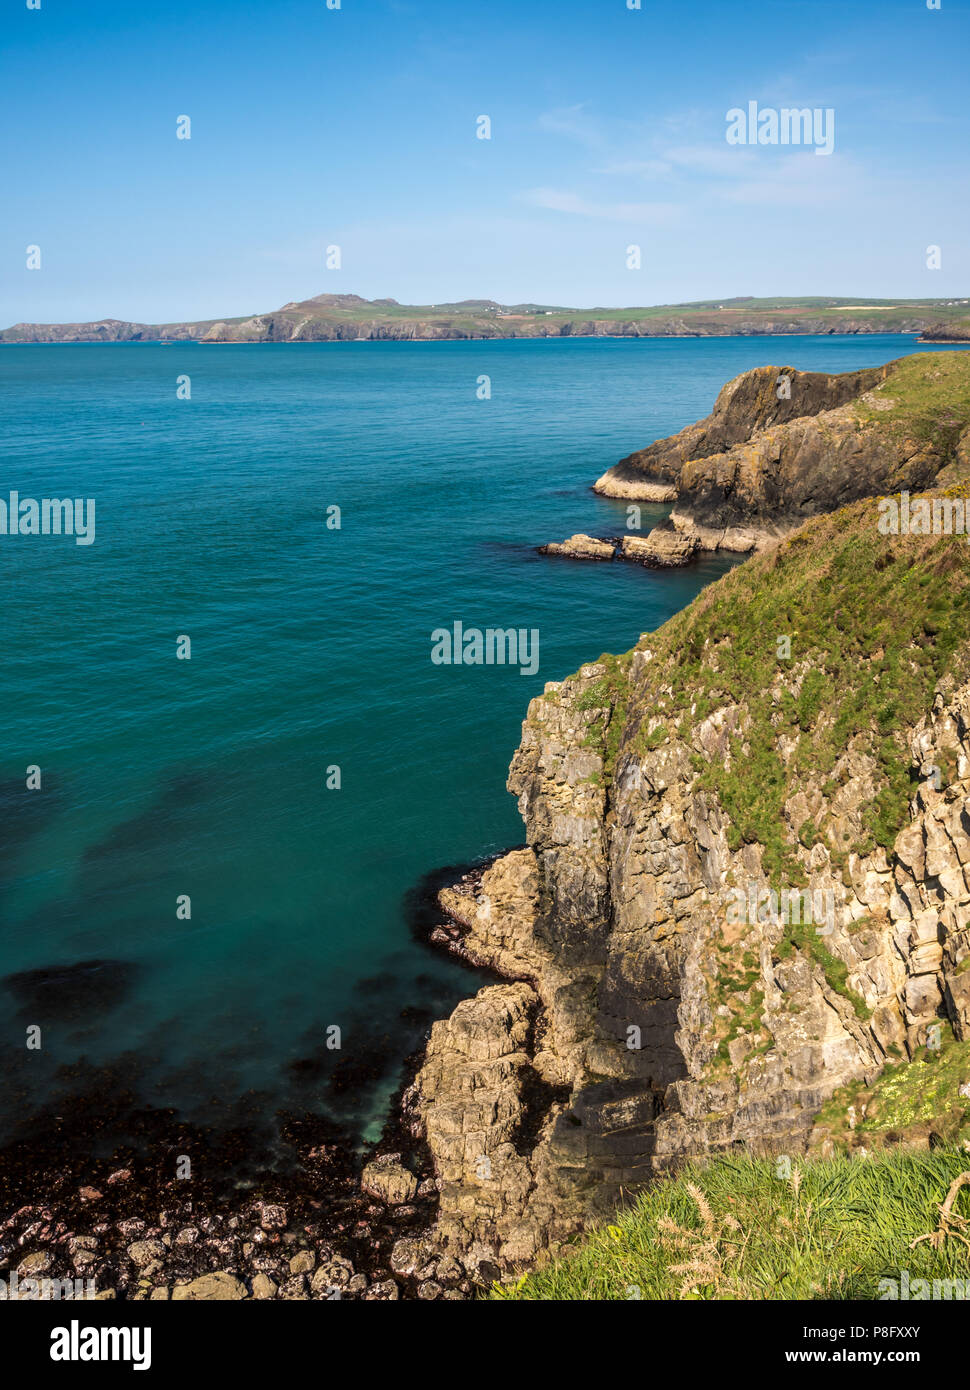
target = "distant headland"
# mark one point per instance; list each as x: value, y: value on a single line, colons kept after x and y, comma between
x: 349, y: 318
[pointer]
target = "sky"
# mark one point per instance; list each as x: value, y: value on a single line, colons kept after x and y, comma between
x: 358, y: 127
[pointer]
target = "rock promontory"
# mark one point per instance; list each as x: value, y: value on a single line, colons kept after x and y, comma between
x: 781, y: 446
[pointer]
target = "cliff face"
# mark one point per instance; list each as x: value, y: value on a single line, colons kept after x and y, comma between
x: 662, y: 1003
x: 781, y: 446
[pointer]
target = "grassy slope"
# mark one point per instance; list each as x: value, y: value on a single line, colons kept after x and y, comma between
x: 739, y: 1228
x: 874, y: 622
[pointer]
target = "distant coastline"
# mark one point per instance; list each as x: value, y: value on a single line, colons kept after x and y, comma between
x: 349, y: 318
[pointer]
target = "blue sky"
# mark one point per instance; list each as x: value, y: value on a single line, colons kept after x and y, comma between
x: 357, y: 127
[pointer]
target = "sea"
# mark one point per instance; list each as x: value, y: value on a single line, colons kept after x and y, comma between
x: 229, y: 766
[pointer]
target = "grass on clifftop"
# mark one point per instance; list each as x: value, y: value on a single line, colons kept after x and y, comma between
x: 927, y: 398
x: 873, y: 623
x: 741, y: 1228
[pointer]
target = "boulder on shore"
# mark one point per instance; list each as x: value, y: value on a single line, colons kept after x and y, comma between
x: 390, y: 1183
x: 220, y: 1286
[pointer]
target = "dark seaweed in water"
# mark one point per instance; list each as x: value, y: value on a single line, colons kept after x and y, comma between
x: 68, y: 992
x: 23, y: 815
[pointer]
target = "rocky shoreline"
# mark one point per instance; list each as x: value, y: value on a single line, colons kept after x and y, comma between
x: 319, y: 1217
x: 321, y: 1226
x: 325, y: 1220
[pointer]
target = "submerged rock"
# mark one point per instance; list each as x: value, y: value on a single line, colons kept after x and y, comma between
x: 68, y: 992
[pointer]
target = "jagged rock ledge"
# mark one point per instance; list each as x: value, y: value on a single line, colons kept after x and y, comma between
x: 957, y: 331
x: 581, y: 547
x: 662, y: 548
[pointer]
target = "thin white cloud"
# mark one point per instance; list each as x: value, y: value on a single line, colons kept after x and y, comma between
x: 801, y: 180
x: 636, y: 168
x: 560, y: 200
x: 575, y: 123
x: 722, y: 161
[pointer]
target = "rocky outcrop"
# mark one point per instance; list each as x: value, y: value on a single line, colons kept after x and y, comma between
x: 746, y: 405
x: 956, y: 331
x: 389, y: 1181
x: 781, y: 446
x: 681, y: 983
x: 580, y: 547
x: 662, y: 548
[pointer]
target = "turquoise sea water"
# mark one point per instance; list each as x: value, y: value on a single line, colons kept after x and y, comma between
x: 310, y: 648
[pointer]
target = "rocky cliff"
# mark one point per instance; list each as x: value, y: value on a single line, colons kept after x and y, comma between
x: 953, y: 331
x: 747, y: 883
x: 782, y: 445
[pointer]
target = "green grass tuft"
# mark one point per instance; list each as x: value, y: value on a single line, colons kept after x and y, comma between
x: 742, y: 1228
